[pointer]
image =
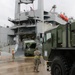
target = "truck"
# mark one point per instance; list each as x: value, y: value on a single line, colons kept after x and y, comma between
x: 29, y: 47
x: 58, y: 49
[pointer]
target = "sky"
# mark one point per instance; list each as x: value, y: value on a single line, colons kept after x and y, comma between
x: 7, y: 9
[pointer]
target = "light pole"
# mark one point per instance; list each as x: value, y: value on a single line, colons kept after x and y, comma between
x: 18, y: 28
x: 35, y: 20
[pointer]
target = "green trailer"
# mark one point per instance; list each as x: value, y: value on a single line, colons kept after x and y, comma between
x: 59, y: 49
x: 29, y: 47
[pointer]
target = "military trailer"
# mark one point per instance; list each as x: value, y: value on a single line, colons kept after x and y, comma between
x: 59, y: 49
x: 29, y: 47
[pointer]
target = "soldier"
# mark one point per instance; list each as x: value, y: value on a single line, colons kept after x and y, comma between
x: 37, y: 55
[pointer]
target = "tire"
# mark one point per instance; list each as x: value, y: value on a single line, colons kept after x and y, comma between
x: 59, y: 66
x: 72, y: 71
x: 25, y: 54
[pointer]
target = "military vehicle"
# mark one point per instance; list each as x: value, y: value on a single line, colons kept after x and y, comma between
x: 29, y: 47
x: 59, y: 49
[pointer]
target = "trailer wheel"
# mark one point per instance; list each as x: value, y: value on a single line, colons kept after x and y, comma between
x: 59, y: 66
x: 72, y: 71
x: 25, y: 54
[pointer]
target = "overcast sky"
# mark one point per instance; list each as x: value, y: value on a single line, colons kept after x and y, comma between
x: 7, y: 8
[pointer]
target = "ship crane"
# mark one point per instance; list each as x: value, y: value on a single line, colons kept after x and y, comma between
x: 53, y: 8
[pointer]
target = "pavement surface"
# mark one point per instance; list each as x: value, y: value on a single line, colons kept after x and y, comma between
x: 19, y: 66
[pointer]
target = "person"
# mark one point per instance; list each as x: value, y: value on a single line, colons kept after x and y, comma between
x: 37, y: 55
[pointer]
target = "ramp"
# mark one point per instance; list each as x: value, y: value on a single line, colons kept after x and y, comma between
x: 19, y: 51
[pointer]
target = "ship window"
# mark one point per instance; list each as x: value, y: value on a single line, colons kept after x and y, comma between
x: 48, y: 36
x: 73, y: 39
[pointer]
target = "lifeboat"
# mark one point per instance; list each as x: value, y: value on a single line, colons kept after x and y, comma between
x: 64, y: 17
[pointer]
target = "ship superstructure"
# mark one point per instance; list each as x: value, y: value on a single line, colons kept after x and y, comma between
x: 32, y: 24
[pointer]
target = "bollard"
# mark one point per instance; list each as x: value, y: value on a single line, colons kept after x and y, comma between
x: 0, y: 52
x: 9, y: 49
x: 13, y: 54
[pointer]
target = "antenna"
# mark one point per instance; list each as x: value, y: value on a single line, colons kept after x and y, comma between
x: 53, y: 8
